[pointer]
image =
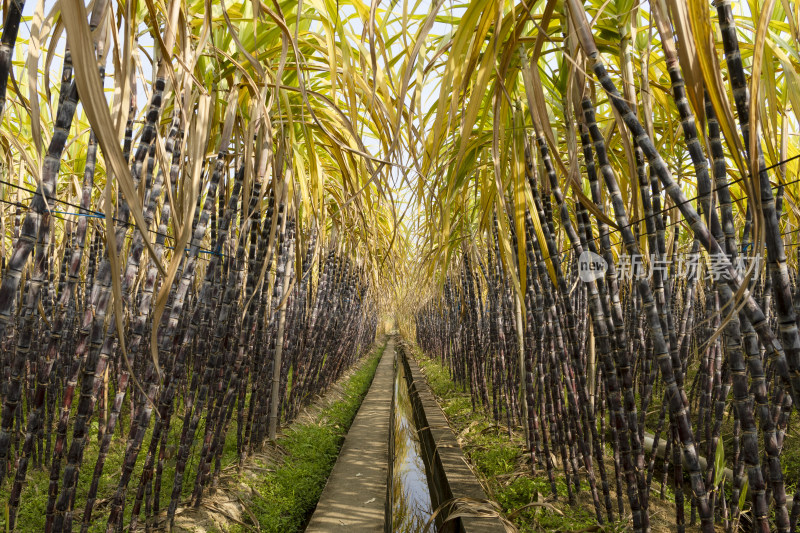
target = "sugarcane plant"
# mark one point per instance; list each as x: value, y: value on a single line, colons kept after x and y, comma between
x: 597, y: 168
x: 584, y: 211
x: 188, y: 273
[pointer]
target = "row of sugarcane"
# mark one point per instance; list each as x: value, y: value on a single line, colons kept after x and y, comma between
x: 270, y: 314
x: 472, y: 329
x: 659, y: 356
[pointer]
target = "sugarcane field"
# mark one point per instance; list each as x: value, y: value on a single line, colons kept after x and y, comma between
x: 400, y: 266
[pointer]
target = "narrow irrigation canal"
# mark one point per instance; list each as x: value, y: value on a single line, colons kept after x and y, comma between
x: 400, y: 461
x: 411, y: 498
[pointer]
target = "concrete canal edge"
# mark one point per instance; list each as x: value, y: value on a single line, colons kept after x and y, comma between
x: 449, y: 477
x: 354, y: 498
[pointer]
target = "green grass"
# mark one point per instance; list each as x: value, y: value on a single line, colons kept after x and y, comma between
x: 286, y: 496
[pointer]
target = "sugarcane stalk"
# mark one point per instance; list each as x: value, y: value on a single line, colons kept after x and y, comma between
x: 675, y: 392
x: 7, y: 41
x: 284, y: 273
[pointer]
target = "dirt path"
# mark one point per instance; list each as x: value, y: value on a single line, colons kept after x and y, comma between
x: 354, y: 500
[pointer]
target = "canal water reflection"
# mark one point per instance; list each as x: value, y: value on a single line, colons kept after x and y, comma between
x: 411, y: 500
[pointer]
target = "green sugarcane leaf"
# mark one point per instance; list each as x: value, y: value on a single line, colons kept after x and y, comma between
x: 719, y: 464
x: 743, y: 494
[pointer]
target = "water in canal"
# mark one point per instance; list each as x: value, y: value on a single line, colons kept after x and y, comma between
x: 411, y: 500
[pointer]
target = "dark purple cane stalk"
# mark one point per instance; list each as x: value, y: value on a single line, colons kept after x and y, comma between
x: 36, y: 225
x: 262, y: 392
x: 584, y: 231
x: 628, y: 423
x: 45, y: 193
x: 168, y: 331
x: 675, y: 392
x: 300, y: 330
x: 26, y: 330
x: 165, y: 403
x: 219, y: 343
x: 788, y: 374
x: 776, y: 256
x: 704, y: 187
x: 139, y: 324
x: 72, y: 263
x: 296, y: 356
x: 740, y: 385
x: 283, y: 274
x: 315, y: 324
x: 598, y: 317
x: 99, y: 344
x: 236, y: 374
x: 7, y: 41
x: 255, y: 361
